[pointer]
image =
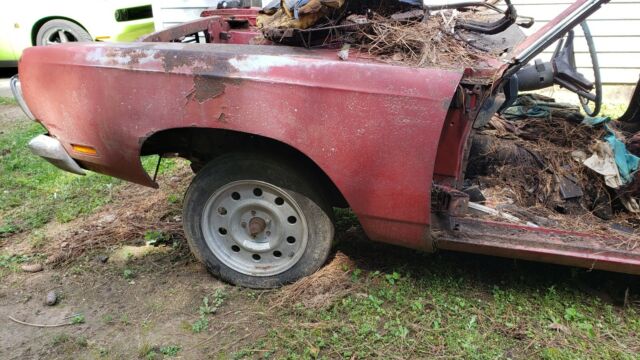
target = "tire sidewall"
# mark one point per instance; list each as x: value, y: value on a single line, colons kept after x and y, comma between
x: 226, y: 169
x: 80, y: 33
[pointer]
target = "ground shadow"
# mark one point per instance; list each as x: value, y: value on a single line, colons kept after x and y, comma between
x: 485, y: 271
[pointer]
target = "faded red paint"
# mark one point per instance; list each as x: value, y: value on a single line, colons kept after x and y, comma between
x: 355, y: 119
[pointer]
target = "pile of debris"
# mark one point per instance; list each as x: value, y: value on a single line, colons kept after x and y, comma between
x: 394, y: 31
x: 542, y: 161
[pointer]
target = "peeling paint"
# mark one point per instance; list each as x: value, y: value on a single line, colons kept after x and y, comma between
x: 259, y: 63
x: 124, y: 56
x: 206, y: 88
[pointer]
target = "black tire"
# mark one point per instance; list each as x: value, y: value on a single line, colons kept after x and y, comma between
x: 50, y: 31
x: 232, y: 168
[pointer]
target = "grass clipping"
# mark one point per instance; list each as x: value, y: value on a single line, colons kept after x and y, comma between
x: 416, y: 43
x: 321, y: 289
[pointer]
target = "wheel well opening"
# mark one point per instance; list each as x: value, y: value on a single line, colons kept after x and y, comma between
x: 36, y: 27
x: 200, y: 145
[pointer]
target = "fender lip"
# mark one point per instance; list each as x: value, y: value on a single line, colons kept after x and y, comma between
x: 16, y: 89
x: 51, y: 149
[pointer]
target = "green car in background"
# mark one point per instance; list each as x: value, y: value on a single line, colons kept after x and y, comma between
x: 42, y: 22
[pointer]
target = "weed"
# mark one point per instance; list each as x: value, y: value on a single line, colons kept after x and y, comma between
x: 60, y: 339
x: 76, y: 269
x: 128, y: 274
x: 201, y: 324
x: 107, y: 319
x: 171, y: 350
x: 156, y: 238
x: 173, y: 198
x: 102, y: 351
x: 7, y: 101
x: 145, y: 350
x: 37, y: 239
x: 392, y: 278
x: 78, y: 319
x: 207, y: 308
x: 81, y: 341
x: 355, y: 275
x: 11, y: 261
x: 147, y: 325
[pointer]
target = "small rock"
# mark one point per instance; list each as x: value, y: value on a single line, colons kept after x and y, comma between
x: 397, y: 57
x: 109, y: 218
x: 32, y: 268
x: 57, y: 258
x: 52, y: 298
x: 102, y: 258
x: 559, y: 328
x: 343, y: 54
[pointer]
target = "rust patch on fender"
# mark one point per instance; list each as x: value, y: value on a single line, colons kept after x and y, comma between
x: 207, y: 87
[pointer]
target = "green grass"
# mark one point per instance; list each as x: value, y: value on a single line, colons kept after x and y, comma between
x: 407, y: 305
x: 613, y: 111
x: 7, y: 101
x: 35, y: 192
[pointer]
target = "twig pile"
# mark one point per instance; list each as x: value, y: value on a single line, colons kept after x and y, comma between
x: 415, y: 43
x: 146, y: 210
x: 320, y: 289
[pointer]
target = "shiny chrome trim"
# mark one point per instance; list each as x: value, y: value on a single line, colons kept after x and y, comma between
x: 52, y: 150
x: 16, y: 89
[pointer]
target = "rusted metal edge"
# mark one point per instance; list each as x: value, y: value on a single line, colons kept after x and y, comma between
x: 535, y: 244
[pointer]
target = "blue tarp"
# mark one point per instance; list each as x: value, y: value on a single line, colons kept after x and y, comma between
x: 627, y: 162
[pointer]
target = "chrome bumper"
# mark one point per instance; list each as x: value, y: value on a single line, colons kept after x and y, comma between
x: 52, y: 150
x: 16, y: 89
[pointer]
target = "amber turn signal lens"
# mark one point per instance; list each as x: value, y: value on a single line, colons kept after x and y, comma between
x: 84, y: 149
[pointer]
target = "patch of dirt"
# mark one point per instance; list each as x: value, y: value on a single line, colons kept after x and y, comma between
x: 123, y: 317
x: 10, y: 115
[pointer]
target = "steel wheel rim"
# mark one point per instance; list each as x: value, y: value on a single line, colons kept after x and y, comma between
x: 254, y: 228
x: 58, y: 36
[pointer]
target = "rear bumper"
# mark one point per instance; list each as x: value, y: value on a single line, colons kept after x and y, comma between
x: 16, y: 89
x: 52, y: 150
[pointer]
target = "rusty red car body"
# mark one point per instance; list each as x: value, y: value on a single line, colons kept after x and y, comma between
x: 383, y: 135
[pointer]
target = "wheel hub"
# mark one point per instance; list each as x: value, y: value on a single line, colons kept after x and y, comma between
x: 254, y: 227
